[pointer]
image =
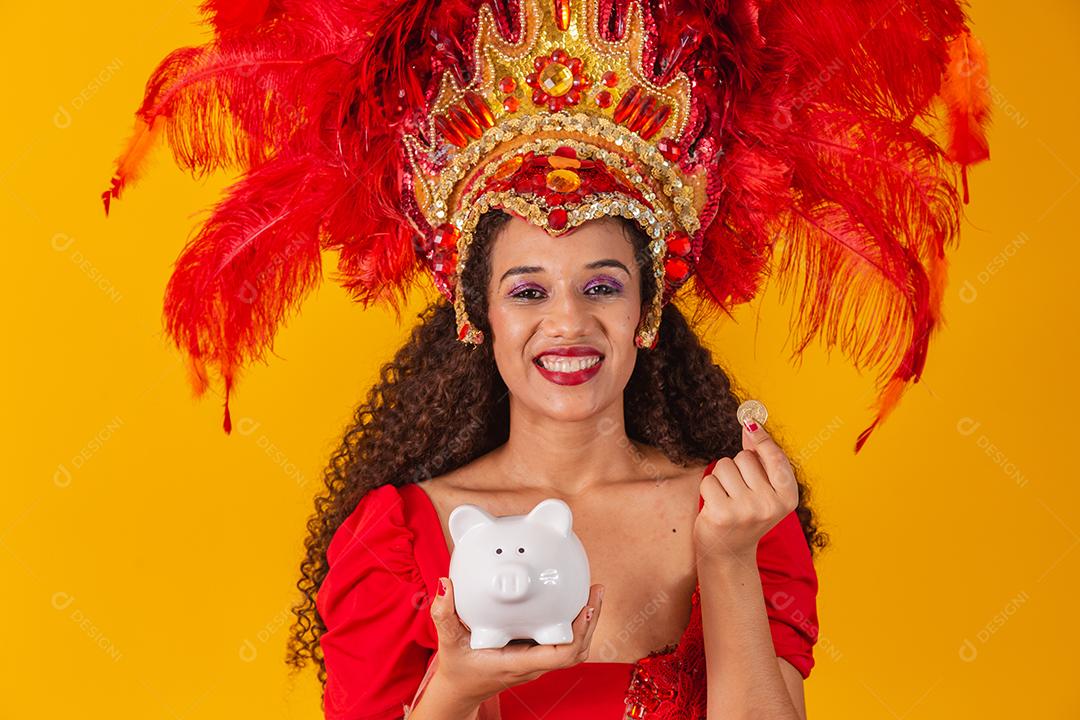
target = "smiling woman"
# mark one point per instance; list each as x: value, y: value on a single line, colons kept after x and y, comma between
x: 625, y: 441
x: 637, y: 145
x: 556, y: 298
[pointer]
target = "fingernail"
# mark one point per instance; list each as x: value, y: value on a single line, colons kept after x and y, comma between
x: 751, y: 426
x: 588, y: 615
x: 442, y: 587
x: 600, y: 595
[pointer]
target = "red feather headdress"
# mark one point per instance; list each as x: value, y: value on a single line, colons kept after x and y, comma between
x: 748, y: 137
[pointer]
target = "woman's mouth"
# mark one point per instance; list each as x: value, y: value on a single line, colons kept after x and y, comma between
x: 565, y: 370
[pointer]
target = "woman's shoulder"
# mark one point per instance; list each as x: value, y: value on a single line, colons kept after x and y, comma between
x: 376, y: 536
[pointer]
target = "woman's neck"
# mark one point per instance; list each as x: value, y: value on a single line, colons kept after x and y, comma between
x: 567, y: 456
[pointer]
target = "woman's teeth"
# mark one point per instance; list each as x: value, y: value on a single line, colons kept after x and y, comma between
x: 564, y: 365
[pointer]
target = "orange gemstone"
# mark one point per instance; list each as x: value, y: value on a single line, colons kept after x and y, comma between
x: 618, y: 177
x: 510, y: 104
x: 560, y: 162
x: 508, y: 168
x: 507, y: 84
x: 610, y: 79
x: 479, y: 109
x: 563, y: 181
x: 562, y: 14
x: 556, y: 79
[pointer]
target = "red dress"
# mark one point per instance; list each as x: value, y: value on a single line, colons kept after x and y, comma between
x: 385, y: 561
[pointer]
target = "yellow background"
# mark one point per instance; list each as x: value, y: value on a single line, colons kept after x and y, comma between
x: 149, y: 560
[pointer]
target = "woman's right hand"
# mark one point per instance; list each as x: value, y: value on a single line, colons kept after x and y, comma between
x: 481, y: 674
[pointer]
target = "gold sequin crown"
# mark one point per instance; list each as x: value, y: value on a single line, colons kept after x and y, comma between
x: 559, y: 126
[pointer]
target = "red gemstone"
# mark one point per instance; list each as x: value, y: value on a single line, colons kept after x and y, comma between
x: 603, y: 99
x: 628, y: 103
x: 565, y: 151
x: 678, y: 243
x: 465, y: 327
x: 610, y: 79
x: 507, y: 84
x: 637, y: 119
x: 510, y: 104
x: 465, y: 122
x: 574, y: 64
x: 449, y: 131
x: 557, y: 219
x: 446, y: 236
x: 541, y: 62
x: 657, y: 121
x: 479, y: 109
x: 669, y: 149
x: 559, y: 55
x: 444, y: 264
x: 530, y: 79
x: 676, y: 269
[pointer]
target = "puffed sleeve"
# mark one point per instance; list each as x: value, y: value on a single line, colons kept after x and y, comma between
x: 374, y: 604
x: 790, y: 583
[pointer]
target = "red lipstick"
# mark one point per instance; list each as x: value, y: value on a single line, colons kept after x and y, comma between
x: 570, y: 378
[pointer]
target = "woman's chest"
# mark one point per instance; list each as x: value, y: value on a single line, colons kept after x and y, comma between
x: 639, y: 543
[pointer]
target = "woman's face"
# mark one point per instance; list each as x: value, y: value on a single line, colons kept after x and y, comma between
x: 574, y: 299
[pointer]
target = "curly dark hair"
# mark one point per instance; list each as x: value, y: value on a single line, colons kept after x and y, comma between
x: 678, y: 400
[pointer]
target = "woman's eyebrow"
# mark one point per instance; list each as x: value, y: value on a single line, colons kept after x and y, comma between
x: 526, y: 269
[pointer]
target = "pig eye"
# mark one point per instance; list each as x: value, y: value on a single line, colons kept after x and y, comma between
x: 498, y: 551
x: 521, y: 550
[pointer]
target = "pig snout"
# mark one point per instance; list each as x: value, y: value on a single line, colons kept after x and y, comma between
x: 511, y: 581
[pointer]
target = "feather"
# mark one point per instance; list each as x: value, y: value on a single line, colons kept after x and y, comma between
x: 237, y: 16
x: 815, y: 121
x: 965, y: 92
x: 131, y: 162
x: 248, y: 268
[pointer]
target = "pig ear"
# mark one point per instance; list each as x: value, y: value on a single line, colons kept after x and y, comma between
x: 554, y: 513
x: 465, y: 517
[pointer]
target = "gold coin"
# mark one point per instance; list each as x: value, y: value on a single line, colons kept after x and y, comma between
x: 752, y: 410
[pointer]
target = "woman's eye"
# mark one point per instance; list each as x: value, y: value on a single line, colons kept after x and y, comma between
x: 522, y: 294
x: 608, y: 290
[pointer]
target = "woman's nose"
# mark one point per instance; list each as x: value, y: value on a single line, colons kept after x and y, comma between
x: 568, y: 315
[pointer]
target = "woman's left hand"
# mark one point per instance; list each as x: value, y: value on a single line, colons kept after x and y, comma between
x: 745, y: 497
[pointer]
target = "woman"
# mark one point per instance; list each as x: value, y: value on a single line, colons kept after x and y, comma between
x: 625, y: 443
x: 563, y: 168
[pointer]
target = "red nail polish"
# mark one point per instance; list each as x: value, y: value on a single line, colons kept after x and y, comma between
x: 752, y: 426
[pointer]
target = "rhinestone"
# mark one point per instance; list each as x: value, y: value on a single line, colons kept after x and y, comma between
x: 556, y: 79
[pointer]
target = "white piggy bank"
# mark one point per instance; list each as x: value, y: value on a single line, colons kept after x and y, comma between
x: 518, y: 576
